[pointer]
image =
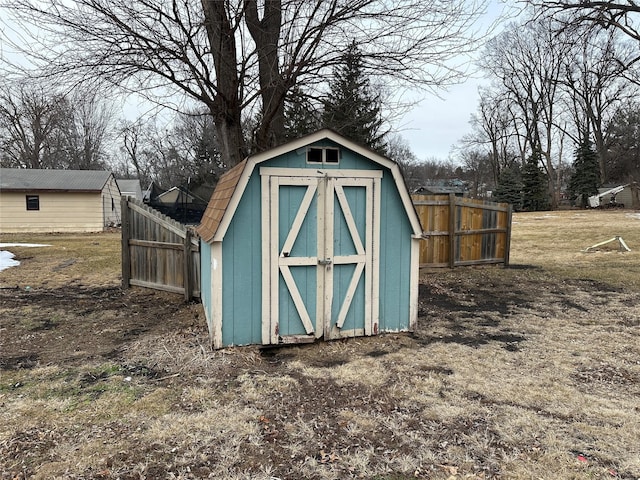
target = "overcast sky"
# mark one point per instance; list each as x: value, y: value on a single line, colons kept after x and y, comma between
x: 435, y: 125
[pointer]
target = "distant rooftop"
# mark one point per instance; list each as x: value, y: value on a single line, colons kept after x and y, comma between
x: 18, y: 179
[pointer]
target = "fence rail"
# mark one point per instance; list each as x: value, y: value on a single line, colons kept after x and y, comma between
x: 461, y: 231
x: 158, y: 252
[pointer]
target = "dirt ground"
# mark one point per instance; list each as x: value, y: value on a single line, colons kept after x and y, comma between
x: 73, y: 325
x: 511, y: 373
x: 98, y: 323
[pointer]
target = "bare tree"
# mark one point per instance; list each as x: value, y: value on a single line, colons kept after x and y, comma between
x: 239, y: 58
x: 193, y: 138
x: 400, y: 152
x: 40, y: 128
x: 183, y: 150
x: 623, y: 16
x: 594, y: 80
x: 495, y: 130
x: 86, y: 131
x: 478, y: 172
x: 29, y: 116
x: 527, y: 60
x: 147, y: 147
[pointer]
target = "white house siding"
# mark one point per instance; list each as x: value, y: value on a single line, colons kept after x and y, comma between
x: 59, y: 212
x: 625, y: 197
x: 111, y: 203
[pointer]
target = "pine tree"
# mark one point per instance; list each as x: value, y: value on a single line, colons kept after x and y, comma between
x: 351, y: 107
x: 586, y: 177
x: 509, y: 188
x: 535, y: 189
x: 300, y: 116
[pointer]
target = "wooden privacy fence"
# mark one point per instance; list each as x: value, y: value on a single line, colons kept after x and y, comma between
x: 462, y: 231
x: 158, y: 252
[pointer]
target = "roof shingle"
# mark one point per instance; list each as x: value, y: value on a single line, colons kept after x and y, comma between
x: 219, y: 202
x: 52, y: 180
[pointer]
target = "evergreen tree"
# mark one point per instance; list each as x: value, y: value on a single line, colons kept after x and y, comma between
x: 623, y: 132
x: 351, y: 107
x: 535, y: 188
x: 585, y: 178
x: 509, y: 188
x: 300, y: 115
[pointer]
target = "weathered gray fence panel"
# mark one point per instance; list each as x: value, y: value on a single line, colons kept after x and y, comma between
x: 158, y: 252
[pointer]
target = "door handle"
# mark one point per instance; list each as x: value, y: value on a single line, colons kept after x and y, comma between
x: 326, y: 261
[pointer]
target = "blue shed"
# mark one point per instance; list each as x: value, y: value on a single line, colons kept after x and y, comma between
x: 317, y: 238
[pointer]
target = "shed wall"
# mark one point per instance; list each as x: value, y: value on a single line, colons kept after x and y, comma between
x: 111, y: 203
x: 242, y: 271
x: 395, y: 260
x: 206, y: 281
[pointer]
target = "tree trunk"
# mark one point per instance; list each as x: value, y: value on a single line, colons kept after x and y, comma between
x: 601, y: 148
x: 225, y: 107
x: 273, y: 88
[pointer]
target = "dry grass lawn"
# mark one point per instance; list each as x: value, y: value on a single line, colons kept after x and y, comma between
x: 529, y: 372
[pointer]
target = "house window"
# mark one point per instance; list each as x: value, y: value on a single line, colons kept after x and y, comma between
x: 323, y: 155
x: 33, y: 202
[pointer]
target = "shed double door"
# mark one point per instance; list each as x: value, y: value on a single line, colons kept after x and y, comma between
x: 320, y: 234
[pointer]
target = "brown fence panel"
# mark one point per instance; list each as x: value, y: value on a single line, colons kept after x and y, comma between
x: 462, y: 231
x: 158, y: 252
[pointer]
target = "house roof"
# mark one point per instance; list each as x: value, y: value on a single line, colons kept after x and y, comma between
x: 128, y: 185
x: 178, y: 195
x: 439, y: 190
x: 231, y: 186
x: 29, y: 180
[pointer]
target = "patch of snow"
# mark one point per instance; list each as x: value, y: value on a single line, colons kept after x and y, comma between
x: 6, y: 260
x: 633, y: 215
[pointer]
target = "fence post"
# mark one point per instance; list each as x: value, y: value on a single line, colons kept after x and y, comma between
x: 507, y: 240
x: 187, y: 265
x: 452, y: 230
x: 126, y: 233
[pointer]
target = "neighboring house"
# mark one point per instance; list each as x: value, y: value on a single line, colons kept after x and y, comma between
x: 152, y: 191
x: 439, y: 190
x: 130, y: 188
x: 33, y: 200
x: 317, y: 238
x: 629, y: 196
x: 180, y: 204
x: 442, y: 187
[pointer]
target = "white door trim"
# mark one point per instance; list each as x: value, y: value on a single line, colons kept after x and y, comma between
x: 326, y: 186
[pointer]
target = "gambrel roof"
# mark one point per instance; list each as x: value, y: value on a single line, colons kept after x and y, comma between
x: 219, y: 202
x: 230, y: 188
x: 31, y: 180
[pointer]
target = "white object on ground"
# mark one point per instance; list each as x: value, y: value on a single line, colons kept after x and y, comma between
x: 623, y: 247
x: 7, y: 258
